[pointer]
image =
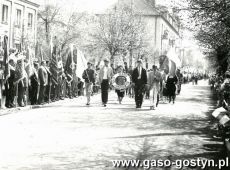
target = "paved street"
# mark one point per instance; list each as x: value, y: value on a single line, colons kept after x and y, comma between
x: 68, y: 135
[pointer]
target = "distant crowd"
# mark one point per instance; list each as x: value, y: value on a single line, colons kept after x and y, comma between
x: 34, y: 84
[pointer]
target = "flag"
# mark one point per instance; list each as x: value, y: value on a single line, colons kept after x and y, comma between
x: 75, y: 57
x: 174, y: 57
x: 20, y: 68
x: 56, y: 65
x: 174, y: 61
x: 81, y: 64
x: 6, y: 58
x: 29, y: 64
x: 38, y: 52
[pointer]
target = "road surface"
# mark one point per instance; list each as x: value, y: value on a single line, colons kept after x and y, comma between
x: 68, y: 135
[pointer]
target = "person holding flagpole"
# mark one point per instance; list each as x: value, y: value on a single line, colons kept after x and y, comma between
x: 89, y: 77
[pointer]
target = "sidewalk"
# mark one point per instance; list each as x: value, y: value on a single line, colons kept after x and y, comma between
x: 7, y: 111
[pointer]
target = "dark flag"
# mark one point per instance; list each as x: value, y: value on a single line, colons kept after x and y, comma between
x: 6, y: 58
x: 38, y: 52
x: 69, y: 67
x: 20, y: 72
x: 56, y: 65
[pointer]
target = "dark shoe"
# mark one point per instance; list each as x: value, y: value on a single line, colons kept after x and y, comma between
x: 87, y: 104
x: 8, y: 106
x: 11, y: 105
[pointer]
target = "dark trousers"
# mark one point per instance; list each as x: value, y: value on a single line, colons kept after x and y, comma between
x: 10, y: 93
x: 21, y: 92
x: 139, y: 94
x: 104, y: 91
x: 69, y: 89
x: 47, y: 93
x: 34, y: 93
x: 41, y: 94
x: 55, y: 95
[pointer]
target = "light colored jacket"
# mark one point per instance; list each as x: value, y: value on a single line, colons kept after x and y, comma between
x: 154, y: 79
x: 109, y: 73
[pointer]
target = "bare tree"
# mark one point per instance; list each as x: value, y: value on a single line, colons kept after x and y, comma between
x: 119, y: 32
x: 47, y: 16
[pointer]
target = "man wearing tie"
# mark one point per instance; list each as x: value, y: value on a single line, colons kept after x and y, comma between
x: 139, y: 78
x: 105, y: 75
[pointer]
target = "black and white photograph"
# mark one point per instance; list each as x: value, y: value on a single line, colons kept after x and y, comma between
x: 114, y: 84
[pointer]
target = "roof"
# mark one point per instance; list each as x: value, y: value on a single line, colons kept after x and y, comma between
x: 142, y: 7
x: 31, y: 2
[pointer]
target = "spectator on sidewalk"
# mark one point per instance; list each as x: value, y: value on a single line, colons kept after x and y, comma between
x: 49, y: 83
x: 21, y: 81
x: 43, y: 78
x: 34, y: 85
x: 10, y: 86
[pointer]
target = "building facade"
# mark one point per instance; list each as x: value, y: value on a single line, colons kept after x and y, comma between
x: 162, y: 29
x: 18, y: 20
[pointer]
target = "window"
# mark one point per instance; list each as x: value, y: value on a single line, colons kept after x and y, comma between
x: 18, y: 17
x: 30, y: 19
x: 5, y: 14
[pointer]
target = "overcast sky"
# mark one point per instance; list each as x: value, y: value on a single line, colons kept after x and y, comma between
x: 82, y: 5
x: 100, y: 5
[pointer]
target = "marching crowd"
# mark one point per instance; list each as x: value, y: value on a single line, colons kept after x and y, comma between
x: 37, y: 86
x: 150, y: 83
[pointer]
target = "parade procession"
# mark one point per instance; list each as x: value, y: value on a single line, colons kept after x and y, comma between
x: 114, y: 84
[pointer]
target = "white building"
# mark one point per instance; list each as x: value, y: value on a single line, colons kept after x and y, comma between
x: 18, y: 20
x: 162, y: 29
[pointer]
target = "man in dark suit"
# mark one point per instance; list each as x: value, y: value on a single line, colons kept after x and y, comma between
x: 139, y: 78
x: 49, y: 83
x: 10, y: 87
x: 43, y: 79
x: 34, y: 85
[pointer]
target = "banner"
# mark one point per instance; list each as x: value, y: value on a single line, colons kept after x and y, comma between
x: 29, y: 64
x: 81, y: 64
x: 20, y: 68
x: 6, y: 58
x: 56, y: 65
x: 75, y: 57
x: 174, y: 57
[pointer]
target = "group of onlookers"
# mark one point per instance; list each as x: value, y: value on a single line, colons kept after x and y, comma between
x: 220, y: 84
x: 33, y: 84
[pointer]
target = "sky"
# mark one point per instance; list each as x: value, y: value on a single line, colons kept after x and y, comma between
x: 100, y: 5
x: 82, y: 5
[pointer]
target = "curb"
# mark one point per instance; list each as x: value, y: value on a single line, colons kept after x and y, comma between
x: 7, y: 111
